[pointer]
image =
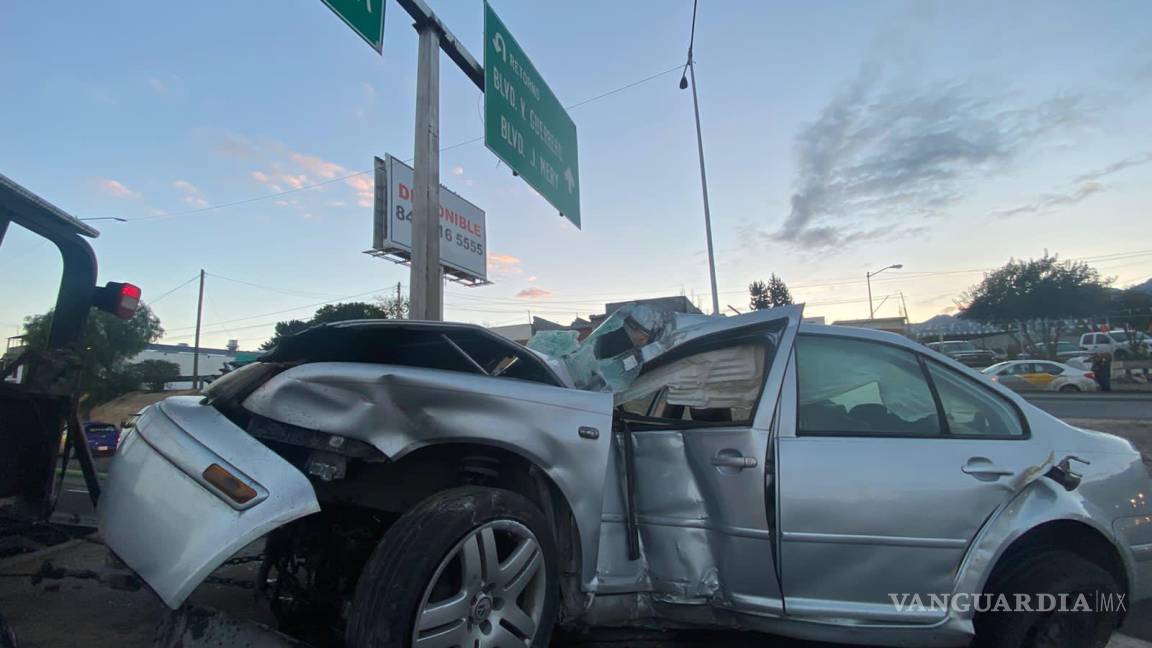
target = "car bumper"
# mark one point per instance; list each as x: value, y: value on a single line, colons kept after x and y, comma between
x: 166, y: 520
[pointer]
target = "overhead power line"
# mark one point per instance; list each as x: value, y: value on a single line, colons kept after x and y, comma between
x: 190, y: 280
x: 282, y: 291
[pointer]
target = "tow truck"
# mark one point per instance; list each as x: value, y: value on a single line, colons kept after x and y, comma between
x: 40, y: 389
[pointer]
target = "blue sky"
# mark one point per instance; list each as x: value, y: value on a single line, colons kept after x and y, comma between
x: 840, y: 137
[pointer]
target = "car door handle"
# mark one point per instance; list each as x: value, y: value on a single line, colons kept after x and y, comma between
x: 734, y: 461
x: 983, y: 469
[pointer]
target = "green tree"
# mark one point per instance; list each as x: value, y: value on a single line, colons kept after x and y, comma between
x: 348, y: 311
x: 325, y: 315
x: 1036, y: 297
x: 769, y: 295
x: 778, y: 293
x: 284, y: 329
x: 108, y: 342
x: 1131, y: 312
x: 154, y: 374
x: 758, y: 290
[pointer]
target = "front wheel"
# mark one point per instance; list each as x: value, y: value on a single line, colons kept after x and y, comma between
x: 1058, y: 600
x: 1069, y: 388
x: 470, y: 567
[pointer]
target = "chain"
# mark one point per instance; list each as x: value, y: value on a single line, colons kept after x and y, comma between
x: 242, y: 560
x: 242, y: 583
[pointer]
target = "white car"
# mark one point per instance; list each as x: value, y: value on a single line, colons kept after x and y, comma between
x: 1041, y: 375
x: 1116, y: 343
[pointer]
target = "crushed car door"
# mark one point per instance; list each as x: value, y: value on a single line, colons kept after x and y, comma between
x: 889, y: 463
x: 699, y: 420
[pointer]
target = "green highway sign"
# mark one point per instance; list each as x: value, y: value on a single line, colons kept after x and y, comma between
x: 524, y: 123
x: 365, y: 17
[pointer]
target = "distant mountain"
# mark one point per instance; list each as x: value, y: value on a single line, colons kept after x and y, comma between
x: 1145, y: 287
x: 942, y: 319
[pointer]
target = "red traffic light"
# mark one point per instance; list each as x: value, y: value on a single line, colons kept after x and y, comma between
x: 119, y: 298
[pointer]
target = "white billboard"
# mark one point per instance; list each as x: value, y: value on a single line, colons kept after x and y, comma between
x: 463, y: 231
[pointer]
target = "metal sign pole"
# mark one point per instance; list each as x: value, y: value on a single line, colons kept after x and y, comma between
x: 427, y: 297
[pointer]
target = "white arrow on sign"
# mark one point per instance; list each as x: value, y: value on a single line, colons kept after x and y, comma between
x: 498, y: 45
x: 571, y: 180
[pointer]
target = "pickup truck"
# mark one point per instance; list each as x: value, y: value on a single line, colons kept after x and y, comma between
x: 432, y: 484
x: 965, y: 353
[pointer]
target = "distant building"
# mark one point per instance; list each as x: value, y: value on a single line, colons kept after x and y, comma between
x: 522, y: 332
x: 212, y: 361
x: 890, y: 324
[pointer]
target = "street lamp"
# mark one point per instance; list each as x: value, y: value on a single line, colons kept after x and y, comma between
x: 690, y: 70
x: 868, y: 277
x: 114, y: 218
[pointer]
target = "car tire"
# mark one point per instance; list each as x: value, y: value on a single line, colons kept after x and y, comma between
x: 1069, y: 388
x: 1052, y: 572
x: 432, y: 565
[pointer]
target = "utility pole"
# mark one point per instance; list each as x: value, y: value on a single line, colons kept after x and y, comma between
x: 868, y: 278
x: 196, y: 346
x: 427, y: 299
x: 398, y: 311
x: 691, y: 65
x: 904, y: 306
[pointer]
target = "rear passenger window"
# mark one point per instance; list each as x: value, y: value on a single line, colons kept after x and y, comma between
x: 860, y: 387
x: 970, y: 409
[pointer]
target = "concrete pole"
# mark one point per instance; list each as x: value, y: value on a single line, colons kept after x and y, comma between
x: 426, y: 292
x: 196, y: 346
x: 871, y: 311
x: 704, y: 186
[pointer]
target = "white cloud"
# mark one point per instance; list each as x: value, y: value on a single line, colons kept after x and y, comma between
x: 192, y: 194
x: 116, y: 189
x: 1046, y: 202
x: 504, y: 265
x: 457, y: 170
x: 534, y: 293
x: 295, y: 181
x: 317, y: 166
x: 365, y: 189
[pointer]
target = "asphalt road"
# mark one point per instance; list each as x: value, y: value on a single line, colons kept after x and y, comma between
x: 1130, y: 406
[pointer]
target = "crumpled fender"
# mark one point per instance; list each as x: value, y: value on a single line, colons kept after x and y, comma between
x: 1042, y: 500
x: 161, y: 517
x: 398, y: 409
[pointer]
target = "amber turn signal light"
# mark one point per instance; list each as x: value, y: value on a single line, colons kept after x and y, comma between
x: 229, y: 484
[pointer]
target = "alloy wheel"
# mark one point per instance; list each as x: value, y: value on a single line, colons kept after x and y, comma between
x: 487, y: 592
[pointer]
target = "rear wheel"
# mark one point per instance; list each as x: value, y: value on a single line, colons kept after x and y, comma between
x: 1055, y: 579
x: 470, y: 567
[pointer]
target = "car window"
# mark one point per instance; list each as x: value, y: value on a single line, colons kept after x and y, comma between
x: 1019, y: 369
x: 860, y: 387
x: 970, y: 409
x: 1049, y: 368
x: 720, y: 386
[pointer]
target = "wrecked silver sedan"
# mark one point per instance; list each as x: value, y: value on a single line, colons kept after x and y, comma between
x: 430, y: 484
